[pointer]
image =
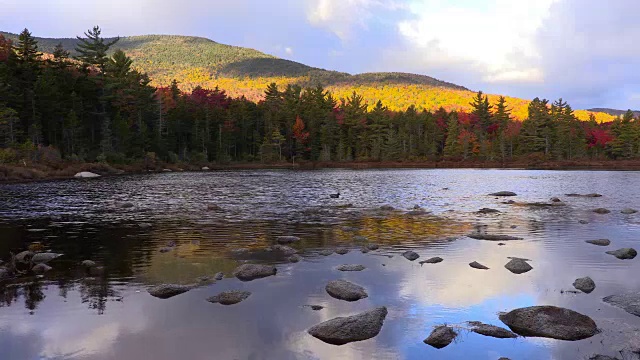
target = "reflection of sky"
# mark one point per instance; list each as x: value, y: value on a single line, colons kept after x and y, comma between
x: 271, y: 324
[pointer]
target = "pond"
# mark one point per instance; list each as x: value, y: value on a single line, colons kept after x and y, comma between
x: 176, y: 227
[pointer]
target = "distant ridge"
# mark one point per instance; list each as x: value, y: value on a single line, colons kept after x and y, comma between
x: 614, y: 112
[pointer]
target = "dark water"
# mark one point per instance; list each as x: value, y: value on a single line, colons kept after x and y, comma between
x: 69, y: 315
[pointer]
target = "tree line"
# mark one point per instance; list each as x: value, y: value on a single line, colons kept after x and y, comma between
x: 97, y: 107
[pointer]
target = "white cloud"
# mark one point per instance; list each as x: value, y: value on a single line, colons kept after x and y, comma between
x: 288, y: 51
x: 342, y: 16
x: 496, y: 38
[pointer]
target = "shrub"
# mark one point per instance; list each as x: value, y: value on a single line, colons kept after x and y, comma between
x: 8, y: 156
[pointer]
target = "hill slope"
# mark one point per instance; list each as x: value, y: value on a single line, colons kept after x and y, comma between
x: 614, y: 112
x: 196, y: 61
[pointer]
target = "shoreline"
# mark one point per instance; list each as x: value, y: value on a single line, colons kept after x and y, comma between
x: 12, y: 174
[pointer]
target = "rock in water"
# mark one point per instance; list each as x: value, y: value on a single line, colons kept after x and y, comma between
x: 294, y: 258
x: 287, y: 239
x: 518, y: 266
x: 601, y: 211
x: 283, y: 250
x: 489, y: 237
x: 165, y: 291
x: 550, y: 322
x: 599, y: 242
x: 343, y: 330
x: 229, y: 297
x: 86, y: 175
x: 628, y: 211
x: 41, y: 268
x: 326, y: 252
x: 477, y: 265
x: 624, y: 254
x: 88, y: 263
x: 491, y: 330
x: 503, y: 193
x: 24, y: 256
x: 351, y: 267
x: 43, y: 258
x: 315, y: 307
x: 248, y: 272
x: 602, y: 357
x: 593, y: 195
x: 373, y: 247
x: 433, y: 260
x: 205, y: 168
x: 585, y: 284
x: 219, y: 275
x: 410, y: 255
x: 345, y: 290
x: 342, y: 251
x: 441, y: 336
x: 629, y: 302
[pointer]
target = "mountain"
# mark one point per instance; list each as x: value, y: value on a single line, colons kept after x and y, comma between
x: 196, y: 61
x: 613, y: 112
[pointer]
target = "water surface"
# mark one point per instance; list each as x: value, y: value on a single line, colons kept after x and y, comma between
x: 69, y: 315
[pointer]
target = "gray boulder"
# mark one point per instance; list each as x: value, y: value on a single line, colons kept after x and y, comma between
x: 315, y: 307
x: 43, y: 258
x: 503, y: 193
x: 345, y: 290
x: 585, y: 284
x: 550, y: 322
x: 601, y: 211
x: 343, y: 330
x: 387, y: 208
x: 624, y: 254
x: 441, y: 336
x: 248, y: 272
x: 592, y: 195
x: 555, y: 199
x: 24, y: 256
x: 41, y: 268
x: 326, y: 252
x: 282, y: 250
x: 410, y: 255
x: 88, y: 263
x: 219, y: 275
x: 364, y: 250
x: 373, y: 246
x: 342, y: 251
x: 629, y: 302
x: 477, y: 265
x: 165, y: 291
x: 518, y: 266
x: 583, y: 222
x: 85, y: 175
x: 490, y: 237
x: 628, y: 211
x: 433, y: 260
x: 599, y: 242
x: 491, y: 330
x: 351, y: 267
x: 488, y: 211
x: 294, y: 258
x: 287, y: 239
x: 229, y: 297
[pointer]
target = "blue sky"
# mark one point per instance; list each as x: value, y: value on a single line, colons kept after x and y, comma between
x: 581, y: 50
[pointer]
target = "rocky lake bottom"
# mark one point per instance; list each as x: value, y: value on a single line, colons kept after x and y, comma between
x: 267, y: 264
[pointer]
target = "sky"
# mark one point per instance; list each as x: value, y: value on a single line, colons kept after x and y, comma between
x: 581, y: 50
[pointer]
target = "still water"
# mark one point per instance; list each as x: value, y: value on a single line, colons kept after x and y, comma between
x: 67, y: 314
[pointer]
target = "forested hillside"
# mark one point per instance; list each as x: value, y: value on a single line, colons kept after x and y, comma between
x: 194, y: 61
x: 100, y: 107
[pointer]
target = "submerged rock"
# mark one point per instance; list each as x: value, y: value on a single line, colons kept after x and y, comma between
x: 229, y: 297
x: 343, y: 330
x: 477, y: 265
x: 624, y: 254
x: 326, y: 252
x: 345, y: 290
x: 628, y: 211
x: 248, y: 272
x: 287, y: 239
x: 503, y: 193
x: 629, y: 302
x: 583, y: 222
x: 599, y: 242
x: 165, y: 291
x: 315, y: 307
x: 213, y: 207
x: 601, y: 211
x: 294, y: 258
x: 283, y: 250
x: 488, y: 211
x: 43, y: 258
x: 86, y: 175
x: 342, y: 251
x: 364, y: 250
x: 433, y: 260
x: 351, y: 267
x: 360, y: 238
x: 41, y: 268
x: 602, y: 357
x: 491, y: 330
x: 518, y: 266
x: 441, y: 336
x: 373, y: 247
x: 592, y: 195
x: 125, y: 205
x: 550, y: 322
x: 490, y: 237
x: 387, y: 208
x: 410, y: 255
x: 555, y: 199
x: 585, y: 284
